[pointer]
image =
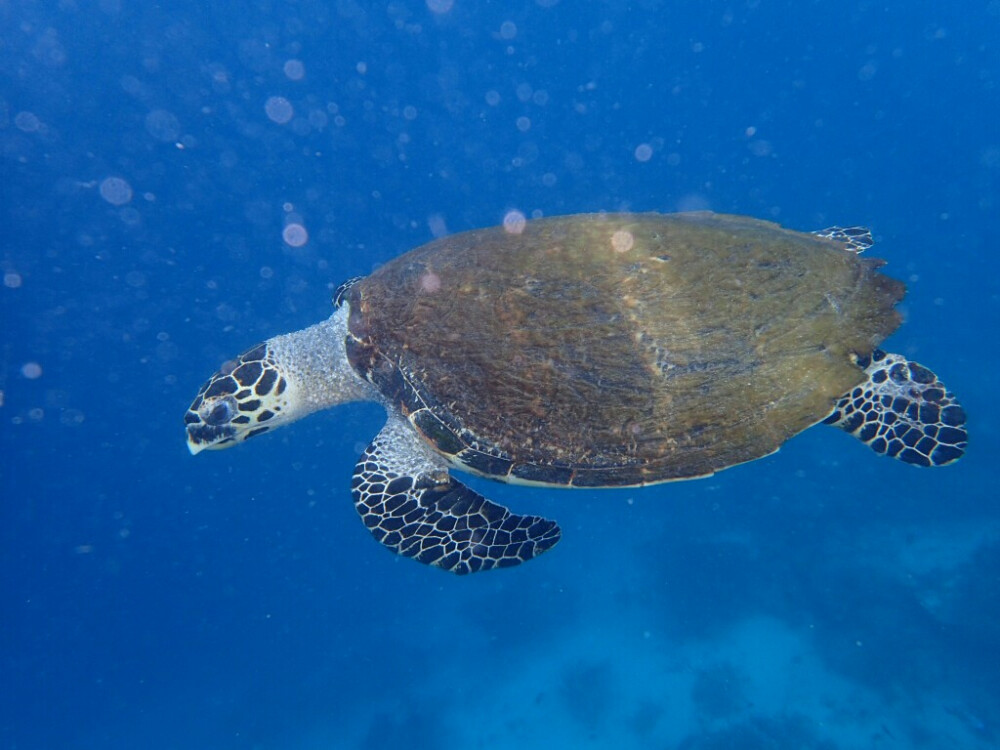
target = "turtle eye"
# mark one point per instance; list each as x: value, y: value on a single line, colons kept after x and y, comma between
x: 220, y: 412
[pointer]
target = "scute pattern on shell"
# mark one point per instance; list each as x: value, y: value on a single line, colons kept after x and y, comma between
x: 611, y: 350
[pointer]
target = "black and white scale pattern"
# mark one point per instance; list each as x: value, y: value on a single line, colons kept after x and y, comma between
x: 411, y: 504
x: 238, y: 401
x: 903, y: 411
x: 855, y: 239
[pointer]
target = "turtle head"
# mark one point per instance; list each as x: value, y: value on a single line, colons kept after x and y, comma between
x: 275, y: 383
x: 247, y: 397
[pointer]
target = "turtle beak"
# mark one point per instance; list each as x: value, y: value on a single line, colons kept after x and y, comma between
x: 203, y: 436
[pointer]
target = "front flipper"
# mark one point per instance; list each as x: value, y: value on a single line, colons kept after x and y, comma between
x: 411, y: 504
x: 903, y: 411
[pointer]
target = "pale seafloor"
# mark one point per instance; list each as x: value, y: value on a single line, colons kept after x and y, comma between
x: 181, y: 180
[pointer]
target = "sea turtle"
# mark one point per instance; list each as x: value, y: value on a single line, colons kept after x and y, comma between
x: 604, y: 350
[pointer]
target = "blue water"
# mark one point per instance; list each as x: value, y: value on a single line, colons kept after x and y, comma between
x: 151, y: 157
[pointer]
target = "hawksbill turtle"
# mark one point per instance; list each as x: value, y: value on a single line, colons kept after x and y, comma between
x: 603, y: 350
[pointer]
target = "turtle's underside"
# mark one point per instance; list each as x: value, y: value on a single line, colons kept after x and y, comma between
x: 595, y: 350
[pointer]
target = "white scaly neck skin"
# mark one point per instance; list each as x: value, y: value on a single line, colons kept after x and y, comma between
x: 314, y: 363
x: 275, y: 383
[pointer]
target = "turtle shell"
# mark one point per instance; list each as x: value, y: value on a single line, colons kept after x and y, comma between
x: 618, y: 349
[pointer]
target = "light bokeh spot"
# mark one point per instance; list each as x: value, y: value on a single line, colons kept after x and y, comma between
x: 643, y: 152
x: 295, y: 235
x: 622, y: 241
x: 514, y: 222
x: 115, y: 191
x: 279, y: 109
x: 294, y: 70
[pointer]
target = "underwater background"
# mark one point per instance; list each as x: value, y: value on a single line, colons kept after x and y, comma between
x: 180, y: 180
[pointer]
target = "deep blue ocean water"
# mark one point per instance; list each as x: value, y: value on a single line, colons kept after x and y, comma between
x: 152, y: 159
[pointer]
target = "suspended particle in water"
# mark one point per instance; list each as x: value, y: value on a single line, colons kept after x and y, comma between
x: 31, y: 370
x: 115, y: 191
x: 514, y: 221
x: 295, y: 235
x: 294, y: 70
x: 622, y: 241
x: 643, y: 152
x: 279, y: 109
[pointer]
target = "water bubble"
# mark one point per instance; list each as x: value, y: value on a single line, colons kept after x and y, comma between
x: 643, y: 152
x: 523, y: 124
x: 514, y: 222
x: 294, y: 70
x: 410, y: 112
x: 295, y: 235
x: 12, y: 279
x: 440, y: 6
x: 116, y: 191
x: 493, y: 98
x: 279, y: 109
x: 508, y: 30
x: 31, y: 370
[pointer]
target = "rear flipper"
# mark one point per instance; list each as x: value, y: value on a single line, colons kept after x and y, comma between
x: 413, y: 506
x: 903, y: 411
x: 854, y: 239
